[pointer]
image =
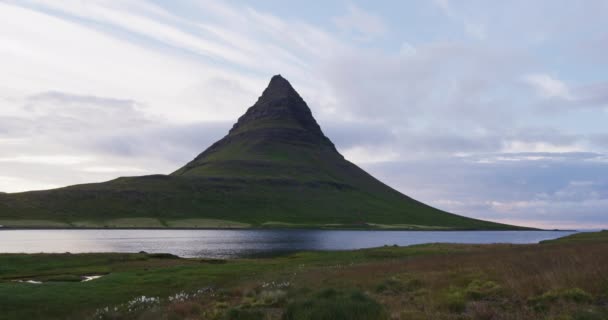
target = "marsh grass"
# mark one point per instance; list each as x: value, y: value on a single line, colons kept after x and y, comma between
x: 331, y: 304
x: 477, y: 282
x: 565, y: 281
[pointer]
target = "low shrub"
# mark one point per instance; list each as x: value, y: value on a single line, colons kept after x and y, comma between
x: 575, y: 295
x: 183, y: 309
x: 455, y: 300
x: 163, y: 256
x: 332, y: 304
x: 273, y: 297
x: 480, y: 290
x: 590, y: 314
x: 243, y: 314
x: 63, y: 278
x: 395, y: 286
x: 482, y: 310
x: 413, y: 315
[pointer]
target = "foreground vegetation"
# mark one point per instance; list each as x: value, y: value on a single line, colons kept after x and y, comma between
x: 563, y: 279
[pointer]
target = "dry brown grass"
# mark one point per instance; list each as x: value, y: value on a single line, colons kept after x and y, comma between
x: 484, y: 282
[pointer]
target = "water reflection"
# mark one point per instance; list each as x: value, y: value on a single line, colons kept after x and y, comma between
x: 243, y: 243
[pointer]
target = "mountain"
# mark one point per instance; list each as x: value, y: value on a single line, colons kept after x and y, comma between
x: 275, y: 168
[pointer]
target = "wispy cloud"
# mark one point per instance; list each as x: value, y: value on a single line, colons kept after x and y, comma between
x: 548, y: 87
x: 365, y: 25
x: 473, y: 29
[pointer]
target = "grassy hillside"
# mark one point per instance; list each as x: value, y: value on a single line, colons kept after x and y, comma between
x: 255, y: 202
x: 275, y: 168
x: 563, y: 280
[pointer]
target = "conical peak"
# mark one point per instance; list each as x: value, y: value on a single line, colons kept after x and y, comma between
x: 278, y: 82
x: 279, y: 106
x: 278, y: 88
x: 279, y: 123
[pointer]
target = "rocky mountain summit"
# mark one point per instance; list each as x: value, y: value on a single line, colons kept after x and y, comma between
x: 279, y: 123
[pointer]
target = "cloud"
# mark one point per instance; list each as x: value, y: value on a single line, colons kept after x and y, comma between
x: 365, y: 155
x: 556, y: 94
x: 600, y: 140
x: 365, y: 25
x: 105, y: 60
x: 469, y: 83
x: 348, y: 134
x: 516, y: 146
x: 48, y: 159
x: 16, y: 184
x: 86, y: 111
x: 428, y: 143
x: 473, y: 29
x: 105, y: 126
x: 105, y: 169
x: 553, y: 188
x: 175, y: 143
x: 534, y: 156
x: 548, y: 87
x: 58, y: 115
x: 93, y: 138
x: 63, y: 98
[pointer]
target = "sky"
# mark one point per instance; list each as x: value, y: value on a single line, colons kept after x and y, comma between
x: 494, y: 110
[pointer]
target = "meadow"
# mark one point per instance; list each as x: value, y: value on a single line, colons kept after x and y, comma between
x: 560, y: 279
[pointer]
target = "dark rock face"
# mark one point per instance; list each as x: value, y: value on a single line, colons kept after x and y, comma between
x: 280, y: 104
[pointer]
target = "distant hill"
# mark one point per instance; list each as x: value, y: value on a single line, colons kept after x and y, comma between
x: 275, y: 168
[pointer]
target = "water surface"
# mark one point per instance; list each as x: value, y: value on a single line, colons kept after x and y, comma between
x: 243, y: 243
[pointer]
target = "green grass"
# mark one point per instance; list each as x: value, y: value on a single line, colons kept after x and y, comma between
x: 433, y: 281
x: 33, y: 223
x: 331, y: 304
x: 132, y: 275
x: 206, y: 223
x: 581, y: 237
x: 142, y: 222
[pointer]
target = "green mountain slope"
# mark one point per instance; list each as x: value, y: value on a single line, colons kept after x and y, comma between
x: 274, y: 168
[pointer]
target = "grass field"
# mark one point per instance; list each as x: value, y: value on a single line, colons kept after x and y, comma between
x: 564, y: 279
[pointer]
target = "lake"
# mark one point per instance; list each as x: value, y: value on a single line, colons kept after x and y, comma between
x: 243, y: 243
